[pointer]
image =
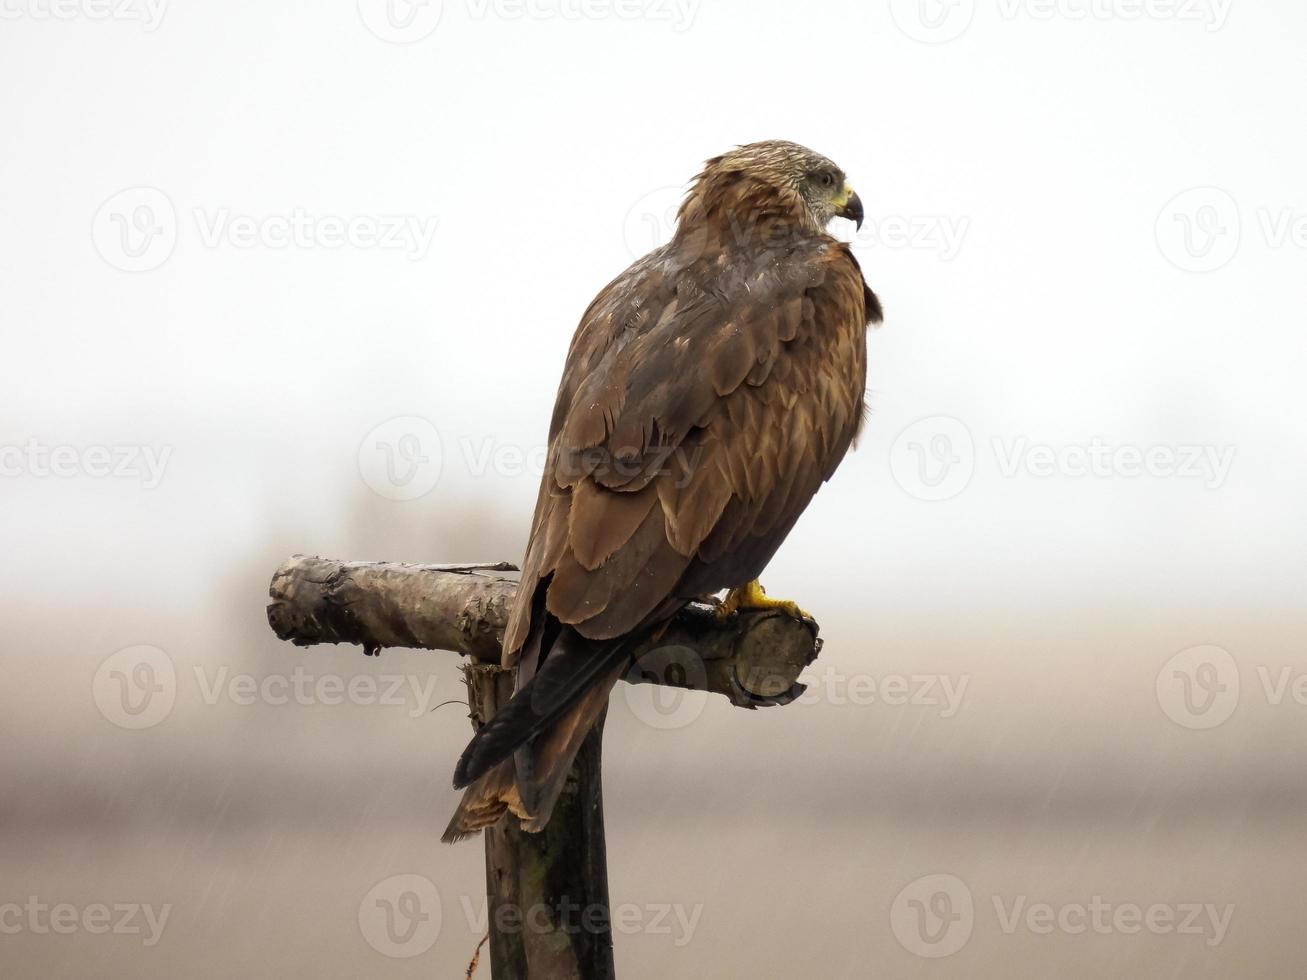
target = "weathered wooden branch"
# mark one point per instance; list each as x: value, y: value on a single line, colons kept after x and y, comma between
x: 753, y: 658
x: 462, y: 608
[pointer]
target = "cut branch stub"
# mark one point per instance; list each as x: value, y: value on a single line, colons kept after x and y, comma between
x: 754, y: 658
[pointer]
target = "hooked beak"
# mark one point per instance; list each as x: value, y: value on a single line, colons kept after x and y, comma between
x: 853, y: 208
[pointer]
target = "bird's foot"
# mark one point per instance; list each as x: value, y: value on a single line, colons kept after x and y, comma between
x: 754, y: 596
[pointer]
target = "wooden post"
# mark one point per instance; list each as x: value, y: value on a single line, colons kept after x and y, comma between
x: 548, y: 892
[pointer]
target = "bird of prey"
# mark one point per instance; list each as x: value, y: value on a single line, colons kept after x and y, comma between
x: 708, y: 393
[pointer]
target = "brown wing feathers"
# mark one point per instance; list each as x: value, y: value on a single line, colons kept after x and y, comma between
x: 693, y: 424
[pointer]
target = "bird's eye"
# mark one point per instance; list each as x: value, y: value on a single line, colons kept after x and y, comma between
x: 828, y: 180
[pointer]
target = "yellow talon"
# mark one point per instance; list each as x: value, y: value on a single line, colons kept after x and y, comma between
x: 754, y: 596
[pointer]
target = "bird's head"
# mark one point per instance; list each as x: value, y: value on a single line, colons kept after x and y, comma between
x: 776, y: 174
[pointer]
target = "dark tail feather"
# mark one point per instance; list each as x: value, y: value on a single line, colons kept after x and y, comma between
x: 530, y: 785
x: 573, y: 665
x: 485, y: 801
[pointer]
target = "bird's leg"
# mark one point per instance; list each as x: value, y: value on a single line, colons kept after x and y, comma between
x: 754, y: 596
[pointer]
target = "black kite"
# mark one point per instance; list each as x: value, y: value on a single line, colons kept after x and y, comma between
x: 709, y: 391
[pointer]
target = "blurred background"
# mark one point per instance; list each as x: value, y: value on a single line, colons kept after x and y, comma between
x: 300, y: 277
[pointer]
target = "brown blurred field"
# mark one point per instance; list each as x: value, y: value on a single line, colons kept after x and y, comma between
x: 1059, y: 778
